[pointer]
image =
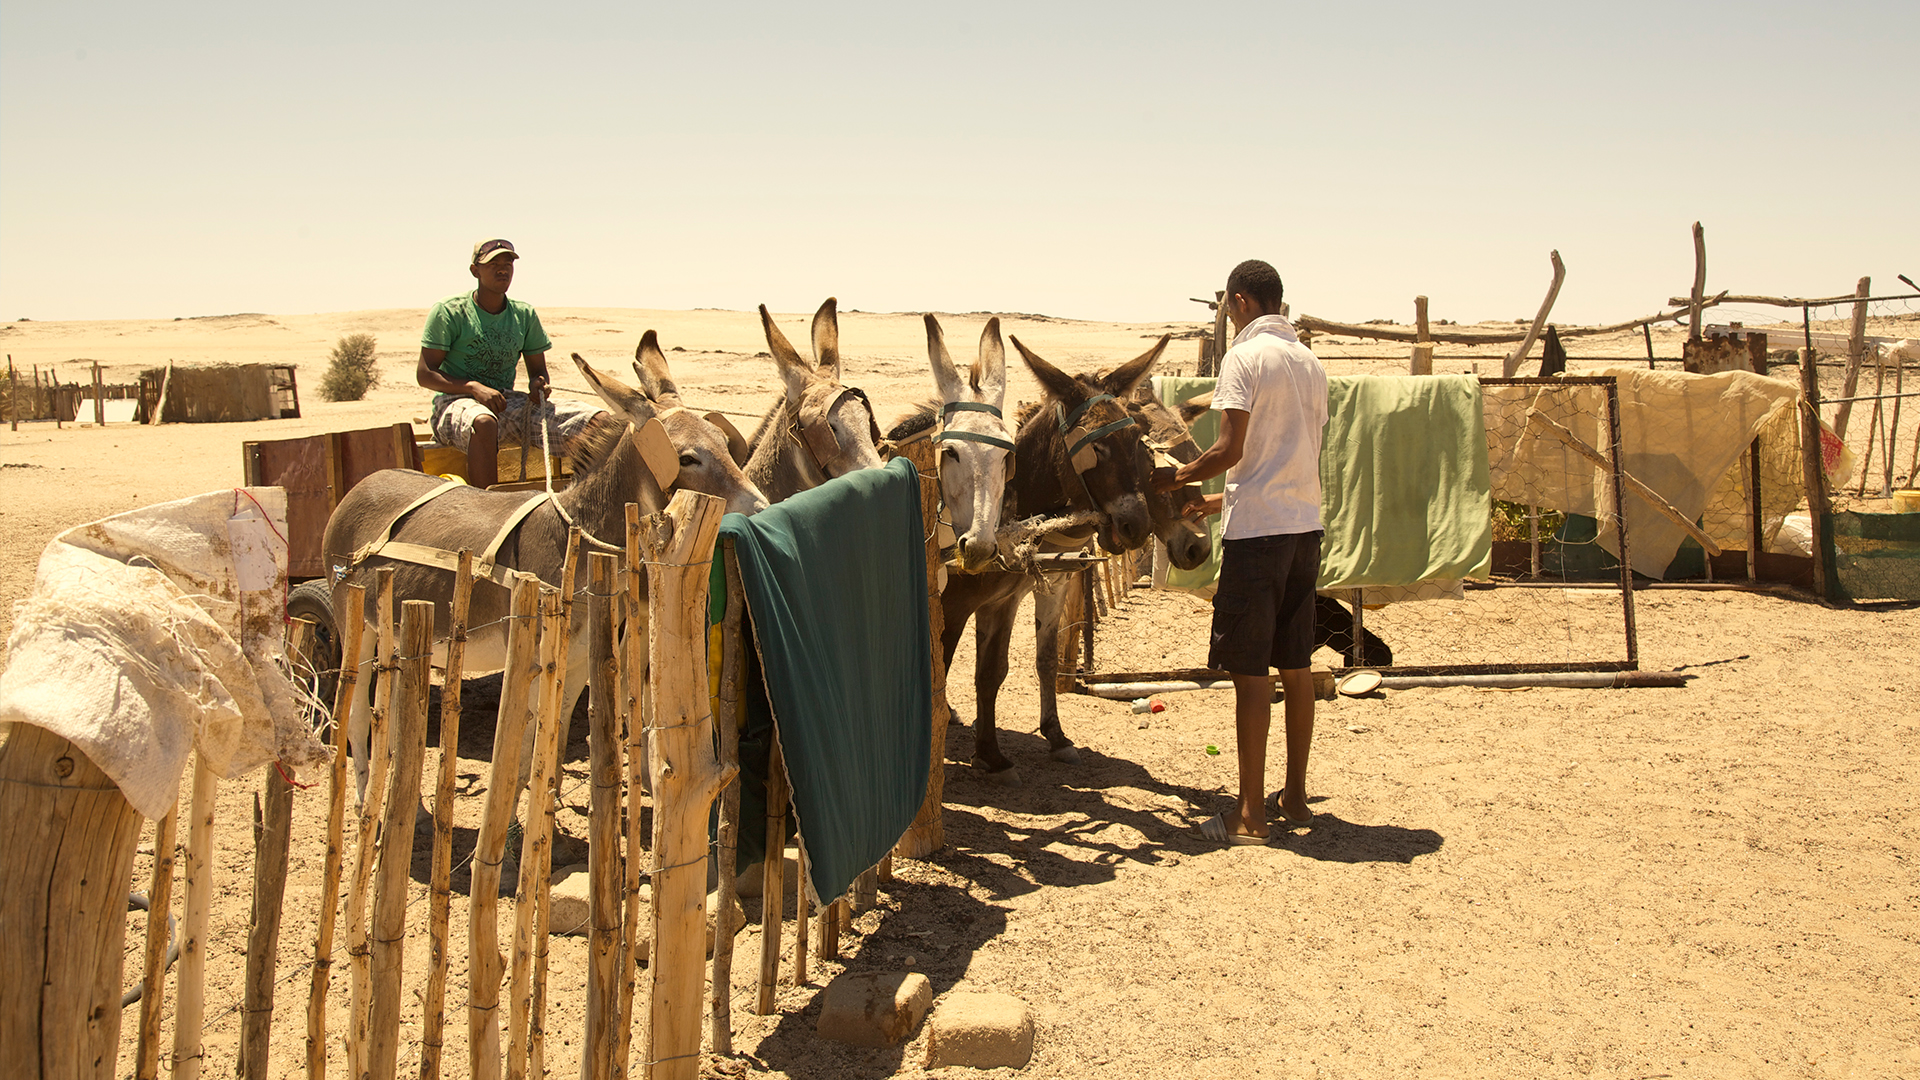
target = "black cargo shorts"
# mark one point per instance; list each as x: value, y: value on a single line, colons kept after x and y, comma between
x: 1263, y: 604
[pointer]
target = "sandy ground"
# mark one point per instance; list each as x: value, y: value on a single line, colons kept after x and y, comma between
x: 1711, y: 881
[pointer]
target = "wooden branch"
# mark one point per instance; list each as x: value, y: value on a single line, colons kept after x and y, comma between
x: 485, y: 965
x: 153, y: 970
x: 1652, y: 498
x: 686, y: 775
x: 927, y: 834
x: 801, y: 915
x: 727, y: 917
x: 433, y: 1010
x: 413, y: 676
x: 772, y: 873
x: 352, y: 599
x: 1764, y: 301
x: 190, y: 1001
x: 1856, y: 353
x: 359, y: 953
x: 1699, y: 282
x: 272, y: 829
x: 633, y: 685
x: 1519, y: 355
x: 601, y: 1043
x: 1422, y: 363
x: 160, y: 405
x: 536, y: 842
x: 543, y: 882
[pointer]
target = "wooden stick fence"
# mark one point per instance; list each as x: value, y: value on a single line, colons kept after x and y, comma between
x: 655, y: 681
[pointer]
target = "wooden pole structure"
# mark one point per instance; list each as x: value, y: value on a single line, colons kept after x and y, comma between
x: 353, y: 598
x: 13, y: 395
x: 725, y: 919
x: 686, y: 776
x: 160, y: 404
x: 1752, y: 463
x: 1856, y: 353
x: 801, y: 914
x: 1876, y: 430
x: 535, y: 841
x: 190, y: 1000
x: 772, y: 877
x: 1646, y: 331
x: 440, y: 897
x: 359, y: 952
x: 153, y: 971
x: 1812, y: 469
x: 413, y: 669
x: 68, y: 850
x: 601, y: 1043
x: 866, y: 891
x: 927, y: 834
x: 1519, y: 354
x: 485, y: 965
x: 99, y: 398
x: 1699, y: 282
x: 633, y: 679
x: 543, y: 883
x: 1423, y: 345
x: 272, y: 836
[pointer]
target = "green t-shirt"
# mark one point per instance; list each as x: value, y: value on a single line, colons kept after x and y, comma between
x: 480, y: 347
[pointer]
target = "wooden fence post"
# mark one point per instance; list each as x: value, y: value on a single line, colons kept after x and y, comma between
x: 536, y: 845
x: 99, y: 398
x: 1812, y: 468
x: 153, y: 972
x: 543, y: 884
x: 272, y: 835
x: 1519, y: 354
x: 354, y: 600
x: 633, y: 682
x: 773, y: 871
x: 190, y: 1002
x: 1699, y: 283
x: 359, y: 953
x: 440, y: 902
x: 1856, y: 354
x: 1422, y: 348
x: 732, y: 669
x: 485, y: 965
x: 68, y: 851
x: 927, y: 834
x: 414, y: 672
x: 686, y: 775
x: 604, y: 879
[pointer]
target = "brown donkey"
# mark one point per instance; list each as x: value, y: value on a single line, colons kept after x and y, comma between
x: 820, y: 428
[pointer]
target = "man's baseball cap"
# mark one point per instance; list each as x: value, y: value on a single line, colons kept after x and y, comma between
x: 489, y: 250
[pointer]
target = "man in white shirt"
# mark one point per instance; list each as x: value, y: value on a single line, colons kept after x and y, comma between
x: 1272, y: 397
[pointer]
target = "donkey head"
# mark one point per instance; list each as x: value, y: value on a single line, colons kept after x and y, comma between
x: 710, y: 450
x: 1099, y: 444
x: 1188, y: 542
x: 976, y: 450
x: 833, y: 423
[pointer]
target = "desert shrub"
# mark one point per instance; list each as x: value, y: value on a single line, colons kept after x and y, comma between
x: 350, y: 370
x: 1510, y: 522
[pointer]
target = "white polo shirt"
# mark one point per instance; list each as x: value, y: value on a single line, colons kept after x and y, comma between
x: 1279, y: 383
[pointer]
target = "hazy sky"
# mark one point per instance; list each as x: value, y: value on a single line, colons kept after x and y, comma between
x: 1085, y: 160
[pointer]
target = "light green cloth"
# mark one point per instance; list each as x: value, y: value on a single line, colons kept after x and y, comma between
x: 1404, y: 487
x: 1174, y: 391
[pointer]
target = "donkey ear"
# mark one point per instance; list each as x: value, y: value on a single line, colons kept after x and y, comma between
x: 1121, y: 381
x: 624, y: 400
x: 651, y: 365
x: 737, y: 447
x: 826, y: 338
x: 794, y: 369
x: 990, y: 371
x: 946, y: 379
x: 1058, y: 384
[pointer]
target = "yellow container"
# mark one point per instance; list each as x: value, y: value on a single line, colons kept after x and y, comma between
x: 1906, y: 502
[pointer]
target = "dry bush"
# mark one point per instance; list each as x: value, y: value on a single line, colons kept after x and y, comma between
x: 350, y: 369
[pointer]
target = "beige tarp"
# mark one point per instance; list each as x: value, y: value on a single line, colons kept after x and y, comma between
x: 156, y: 631
x: 1683, y: 435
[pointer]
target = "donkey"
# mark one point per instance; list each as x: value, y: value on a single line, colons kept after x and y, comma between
x: 609, y: 473
x: 1086, y: 452
x: 976, y: 452
x: 711, y: 450
x: 820, y: 429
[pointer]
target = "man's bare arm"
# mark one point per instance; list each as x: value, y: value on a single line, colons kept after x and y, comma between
x: 428, y: 374
x: 1224, y: 454
x: 537, y: 381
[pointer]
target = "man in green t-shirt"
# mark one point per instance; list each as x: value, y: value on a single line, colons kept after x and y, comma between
x: 470, y: 355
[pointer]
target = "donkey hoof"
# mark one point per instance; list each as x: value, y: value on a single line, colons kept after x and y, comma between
x: 1069, y: 754
x: 1007, y: 777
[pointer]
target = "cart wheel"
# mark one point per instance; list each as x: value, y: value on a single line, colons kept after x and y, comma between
x: 313, y: 601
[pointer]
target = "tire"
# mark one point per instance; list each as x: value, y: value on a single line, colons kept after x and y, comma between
x: 313, y: 600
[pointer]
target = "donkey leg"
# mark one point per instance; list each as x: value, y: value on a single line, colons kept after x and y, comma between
x: 992, y: 634
x: 1047, y: 609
